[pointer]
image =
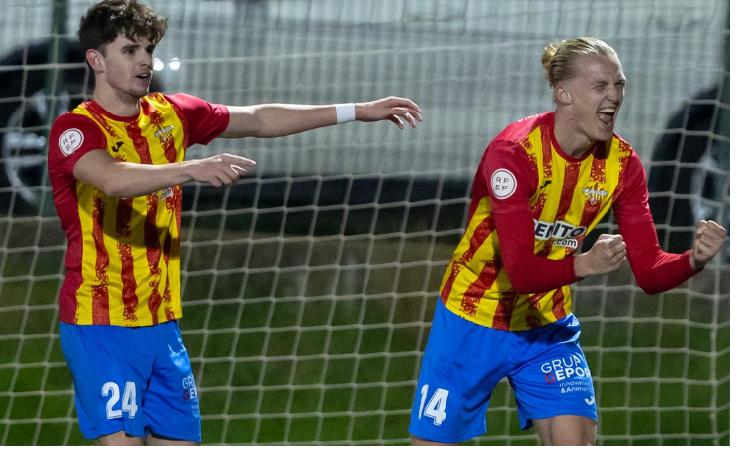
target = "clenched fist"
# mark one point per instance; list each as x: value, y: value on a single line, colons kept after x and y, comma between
x: 709, y: 238
x: 604, y: 257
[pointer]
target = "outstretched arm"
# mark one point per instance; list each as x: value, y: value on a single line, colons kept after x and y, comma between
x: 128, y: 180
x: 277, y: 120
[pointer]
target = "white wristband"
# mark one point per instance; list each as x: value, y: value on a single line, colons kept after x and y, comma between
x: 345, y: 113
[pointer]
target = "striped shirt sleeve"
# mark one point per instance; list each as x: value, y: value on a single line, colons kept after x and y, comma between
x: 204, y: 121
x: 71, y: 137
x: 654, y: 269
x: 510, y: 183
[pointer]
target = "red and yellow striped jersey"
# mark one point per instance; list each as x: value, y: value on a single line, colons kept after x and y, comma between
x: 524, y: 172
x: 123, y: 255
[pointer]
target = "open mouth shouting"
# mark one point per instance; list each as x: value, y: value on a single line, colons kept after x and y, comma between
x: 606, y: 116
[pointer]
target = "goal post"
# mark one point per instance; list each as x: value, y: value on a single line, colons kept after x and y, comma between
x: 309, y: 288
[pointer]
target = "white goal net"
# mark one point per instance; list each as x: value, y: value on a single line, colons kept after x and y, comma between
x: 308, y: 290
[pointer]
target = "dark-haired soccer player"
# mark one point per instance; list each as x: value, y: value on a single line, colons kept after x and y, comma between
x: 504, y: 307
x: 116, y: 165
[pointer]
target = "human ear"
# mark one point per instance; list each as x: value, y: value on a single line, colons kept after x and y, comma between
x: 95, y: 60
x: 562, y: 95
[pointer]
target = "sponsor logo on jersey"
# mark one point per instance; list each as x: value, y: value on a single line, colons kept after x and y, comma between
x: 70, y: 140
x: 166, y: 193
x: 567, y: 243
x: 558, y: 230
x: 503, y: 183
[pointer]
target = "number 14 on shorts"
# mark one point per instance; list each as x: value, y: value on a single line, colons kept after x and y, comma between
x: 436, y: 408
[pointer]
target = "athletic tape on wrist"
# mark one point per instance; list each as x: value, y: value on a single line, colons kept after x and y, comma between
x: 345, y: 113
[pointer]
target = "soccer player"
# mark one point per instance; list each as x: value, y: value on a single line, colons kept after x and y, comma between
x: 116, y: 165
x: 504, y: 308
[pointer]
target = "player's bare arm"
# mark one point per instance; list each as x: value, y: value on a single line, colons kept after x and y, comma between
x: 128, y: 180
x: 278, y: 120
x: 709, y: 238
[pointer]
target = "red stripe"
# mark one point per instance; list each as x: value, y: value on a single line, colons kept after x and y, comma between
x: 626, y: 151
x: 100, y: 302
x: 572, y: 174
x: 167, y: 138
x: 504, y: 311
x: 174, y: 203
x: 481, y: 233
x: 546, y: 162
x: 123, y: 230
x: 546, y: 148
x: 151, y: 234
x: 558, y: 308
x: 539, y: 206
x: 139, y: 142
x: 456, y: 267
x: 533, y: 319
x: 99, y: 117
x: 183, y: 119
x: 153, y: 253
x: 167, y: 297
x: 73, y: 262
x: 100, y: 307
x: 476, y: 290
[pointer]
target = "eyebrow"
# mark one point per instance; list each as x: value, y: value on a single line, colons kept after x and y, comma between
x: 605, y: 82
x: 134, y: 46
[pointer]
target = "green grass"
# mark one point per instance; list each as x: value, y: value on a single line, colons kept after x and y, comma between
x: 323, y: 352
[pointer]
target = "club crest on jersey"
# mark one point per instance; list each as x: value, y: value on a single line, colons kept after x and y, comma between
x: 164, y: 134
x: 70, y: 140
x: 503, y: 183
x: 594, y: 194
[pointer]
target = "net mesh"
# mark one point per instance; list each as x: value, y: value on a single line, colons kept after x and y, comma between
x: 309, y: 288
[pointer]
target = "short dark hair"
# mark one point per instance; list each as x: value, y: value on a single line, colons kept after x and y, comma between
x: 108, y: 19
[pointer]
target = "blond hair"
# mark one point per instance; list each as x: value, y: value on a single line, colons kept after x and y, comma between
x: 559, y: 57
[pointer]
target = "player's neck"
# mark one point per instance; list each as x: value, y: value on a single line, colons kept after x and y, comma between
x: 116, y: 102
x: 570, y: 140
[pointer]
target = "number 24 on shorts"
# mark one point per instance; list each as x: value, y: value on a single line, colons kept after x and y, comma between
x: 128, y: 404
x: 436, y: 408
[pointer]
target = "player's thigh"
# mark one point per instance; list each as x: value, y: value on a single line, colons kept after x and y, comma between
x: 416, y: 441
x: 461, y: 365
x: 157, y: 440
x: 566, y: 430
x: 172, y: 404
x: 119, y: 439
x: 108, y: 385
x: 557, y: 380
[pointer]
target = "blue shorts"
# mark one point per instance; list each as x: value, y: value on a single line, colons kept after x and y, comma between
x: 464, y: 361
x: 136, y: 380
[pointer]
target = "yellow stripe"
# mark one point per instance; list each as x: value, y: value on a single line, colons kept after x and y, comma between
x: 89, y: 255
